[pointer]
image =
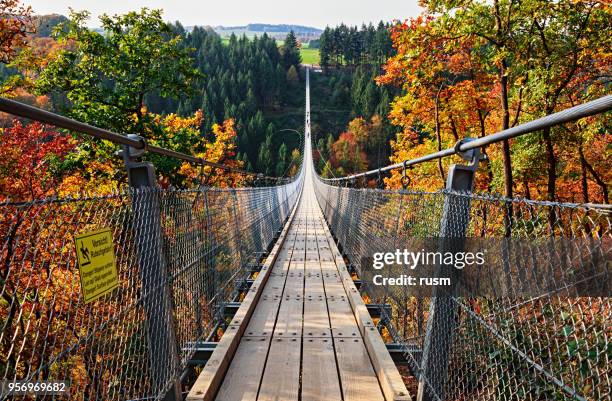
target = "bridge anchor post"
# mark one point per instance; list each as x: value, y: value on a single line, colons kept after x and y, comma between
x: 155, y: 290
x: 443, y: 311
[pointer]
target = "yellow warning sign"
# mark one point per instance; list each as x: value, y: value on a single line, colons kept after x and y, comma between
x: 96, y: 257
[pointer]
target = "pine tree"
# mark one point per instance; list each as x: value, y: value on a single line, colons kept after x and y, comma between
x: 330, y: 144
x: 281, y: 164
x: 291, y: 52
x: 264, y: 161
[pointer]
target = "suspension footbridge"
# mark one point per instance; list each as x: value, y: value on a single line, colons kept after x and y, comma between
x: 303, y: 332
x: 266, y: 292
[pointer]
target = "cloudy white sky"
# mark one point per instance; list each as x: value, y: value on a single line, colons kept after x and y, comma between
x: 317, y: 13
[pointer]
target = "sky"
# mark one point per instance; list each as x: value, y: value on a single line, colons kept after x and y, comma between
x: 316, y: 13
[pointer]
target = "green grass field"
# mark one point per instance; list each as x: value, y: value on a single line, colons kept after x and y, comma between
x: 309, y: 56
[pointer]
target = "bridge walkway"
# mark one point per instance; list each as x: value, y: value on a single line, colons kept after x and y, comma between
x: 302, y: 331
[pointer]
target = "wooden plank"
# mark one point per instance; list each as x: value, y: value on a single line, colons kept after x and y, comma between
x: 275, y: 284
x: 294, y: 284
x: 244, y: 374
x: 264, y: 317
x: 391, y: 381
x: 320, y: 381
x: 316, y: 318
x: 282, y: 266
x: 359, y: 382
x: 341, y: 318
x: 289, y: 320
x: 281, y: 379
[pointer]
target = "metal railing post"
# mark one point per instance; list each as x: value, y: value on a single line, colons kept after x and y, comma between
x: 155, y: 291
x: 443, y: 312
x: 237, y: 225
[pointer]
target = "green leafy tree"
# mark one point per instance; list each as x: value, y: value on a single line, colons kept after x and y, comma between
x: 106, y: 77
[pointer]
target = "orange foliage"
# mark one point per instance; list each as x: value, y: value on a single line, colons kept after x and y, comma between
x: 30, y: 167
x: 451, y: 89
x: 220, y: 150
x: 15, y: 24
x: 347, y: 154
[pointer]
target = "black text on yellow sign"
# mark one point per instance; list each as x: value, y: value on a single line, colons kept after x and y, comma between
x: 97, y: 268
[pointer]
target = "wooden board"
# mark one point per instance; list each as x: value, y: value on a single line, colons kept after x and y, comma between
x: 263, y: 319
x: 251, y: 353
x: 281, y: 379
x: 320, y: 375
x: 359, y: 383
x: 341, y: 318
x: 289, y: 319
x: 316, y: 319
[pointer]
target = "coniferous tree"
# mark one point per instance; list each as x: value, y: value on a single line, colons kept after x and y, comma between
x: 291, y: 52
x: 281, y: 164
x: 264, y: 161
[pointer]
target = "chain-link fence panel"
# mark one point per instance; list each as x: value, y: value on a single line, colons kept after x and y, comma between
x: 553, y: 346
x: 178, y: 255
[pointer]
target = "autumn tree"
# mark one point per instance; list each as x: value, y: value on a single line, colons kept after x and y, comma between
x: 15, y: 25
x: 220, y: 149
x: 31, y: 167
x: 471, y: 68
x: 295, y: 162
x: 348, y: 155
x: 32, y: 162
x: 562, y: 65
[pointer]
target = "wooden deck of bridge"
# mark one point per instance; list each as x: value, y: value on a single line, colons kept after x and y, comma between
x: 303, y: 331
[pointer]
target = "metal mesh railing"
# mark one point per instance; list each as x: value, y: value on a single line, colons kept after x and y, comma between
x: 554, y: 346
x: 178, y: 255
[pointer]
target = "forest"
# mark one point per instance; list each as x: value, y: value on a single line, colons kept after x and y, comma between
x: 224, y: 102
x: 470, y: 69
x: 387, y: 93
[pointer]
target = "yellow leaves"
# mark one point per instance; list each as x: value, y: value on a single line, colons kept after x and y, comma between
x: 96, y: 178
x: 175, y: 122
x: 221, y: 150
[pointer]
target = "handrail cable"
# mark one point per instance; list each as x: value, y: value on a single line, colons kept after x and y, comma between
x: 47, y: 117
x: 593, y: 107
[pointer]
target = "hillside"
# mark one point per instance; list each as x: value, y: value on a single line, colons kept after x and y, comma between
x: 277, y: 31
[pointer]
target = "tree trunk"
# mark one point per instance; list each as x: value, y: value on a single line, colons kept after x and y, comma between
x: 583, y: 176
x: 596, y: 177
x: 551, y: 164
x: 439, y: 138
x: 508, y: 217
x: 527, y: 191
x: 483, y: 133
x: 505, y: 125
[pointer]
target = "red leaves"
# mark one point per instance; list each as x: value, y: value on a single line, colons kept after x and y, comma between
x: 31, y: 154
x: 15, y: 24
